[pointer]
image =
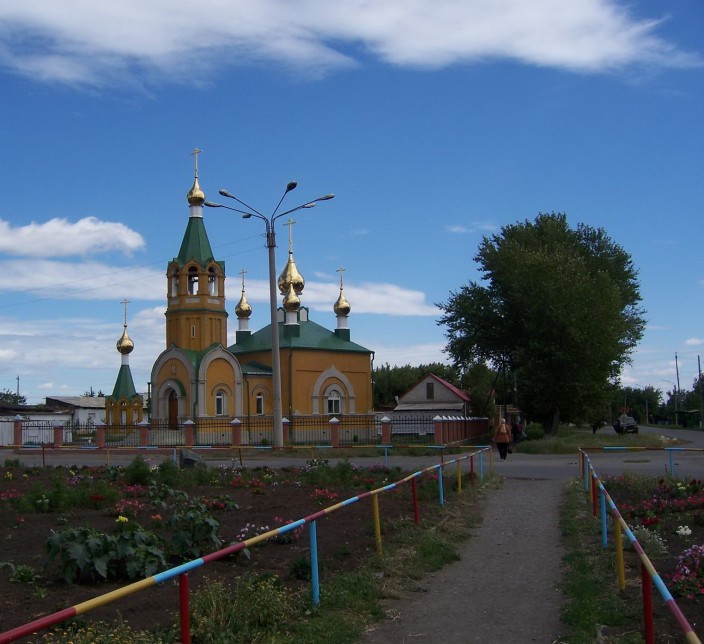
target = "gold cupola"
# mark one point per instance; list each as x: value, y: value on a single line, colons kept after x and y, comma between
x: 243, y: 308
x: 125, y: 344
x: 195, y: 196
x: 291, y: 302
x: 342, y: 306
x: 290, y: 276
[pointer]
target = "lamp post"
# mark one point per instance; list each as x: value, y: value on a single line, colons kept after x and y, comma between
x: 271, y: 246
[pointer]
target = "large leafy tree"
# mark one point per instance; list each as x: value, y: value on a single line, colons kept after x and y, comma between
x: 8, y: 397
x: 558, y: 307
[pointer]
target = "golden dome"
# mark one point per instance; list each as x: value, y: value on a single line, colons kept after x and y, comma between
x: 291, y: 277
x: 342, y: 306
x: 195, y: 195
x: 243, y: 308
x: 291, y: 301
x: 125, y: 344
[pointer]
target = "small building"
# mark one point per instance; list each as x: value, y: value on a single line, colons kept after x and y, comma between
x: 431, y: 397
x: 77, y: 409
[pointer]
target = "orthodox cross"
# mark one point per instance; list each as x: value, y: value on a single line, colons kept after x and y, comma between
x: 243, y: 273
x: 290, y: 223
x: 341, y: 271
x: 125, y: 302
x: 195, y: 154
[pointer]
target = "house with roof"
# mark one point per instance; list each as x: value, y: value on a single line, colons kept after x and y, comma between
x: 198, y: 376
x: 431, y: 397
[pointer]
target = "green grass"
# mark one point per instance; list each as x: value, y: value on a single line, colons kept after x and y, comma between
x: 568, y: 439
x: 590, y: 584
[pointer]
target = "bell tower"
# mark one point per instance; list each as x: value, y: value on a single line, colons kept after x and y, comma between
x: 196, y: 317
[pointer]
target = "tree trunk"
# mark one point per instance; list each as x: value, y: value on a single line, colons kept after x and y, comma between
x: 551, y: 425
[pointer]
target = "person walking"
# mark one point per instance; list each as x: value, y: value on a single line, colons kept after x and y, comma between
x: 502, y: 438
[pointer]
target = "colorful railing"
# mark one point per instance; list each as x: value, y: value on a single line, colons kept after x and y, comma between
x: 600, y: 499
x: 181, y: 572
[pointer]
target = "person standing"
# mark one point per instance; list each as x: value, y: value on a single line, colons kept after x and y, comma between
x: 502, y: 438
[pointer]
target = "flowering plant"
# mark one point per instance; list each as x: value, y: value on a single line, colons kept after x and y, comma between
x: 290, y: 536
x: 688, y: 578
x: 684, y: 531
x: 323, y: 495
x: 250, y: 530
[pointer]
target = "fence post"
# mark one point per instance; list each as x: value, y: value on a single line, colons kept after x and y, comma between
x: 334, y: 432
x: 647, y: 605
x: 184, y: 608
x: 377, y: 524
x: 437, y: 424
x: 58, y: 435
x: 17, y: 430
x: 385, y: 430
x: 143, y: 435
x: 286, y: 428
x: 99, y: 435
x: 236, y: 438
x: 188, y: 433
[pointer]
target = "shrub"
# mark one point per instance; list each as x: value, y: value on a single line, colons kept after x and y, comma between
x: 535, y: 431
x: 194, y: 531
x: 138, y: 472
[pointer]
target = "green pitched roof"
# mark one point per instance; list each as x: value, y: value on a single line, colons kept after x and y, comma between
x: 195, y: 244
x: 312, y: 336
x: 124, y: 385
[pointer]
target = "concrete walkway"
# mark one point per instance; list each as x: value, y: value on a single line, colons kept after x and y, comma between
x: 505, y: 588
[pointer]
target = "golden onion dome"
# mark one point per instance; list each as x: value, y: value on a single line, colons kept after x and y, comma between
x: 291, y: 277
x: 195, y: 195
x: 125, y: 344
x: 342, y: 306
x: 243, y: 308
x: 291, y: 301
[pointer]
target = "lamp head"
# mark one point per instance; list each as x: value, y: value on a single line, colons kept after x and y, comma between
x: 291, y: 186
x: 246, y: 215
x: 225, y: 193
x: 211, y: 204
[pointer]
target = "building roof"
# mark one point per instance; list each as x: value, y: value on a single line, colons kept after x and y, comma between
x: 311, y: 336
x: 124, y: 385
x: 195, y: 245
x: 458, y: 392
x: 430, y: 406
x: 85, y: 402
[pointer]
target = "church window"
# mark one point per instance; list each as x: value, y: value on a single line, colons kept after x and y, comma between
x: 334, y: 402
x: 192, y: 280
x: 260, y: 404
x: 212, y: 282
x: 174, y: 284
x: 220, y: 404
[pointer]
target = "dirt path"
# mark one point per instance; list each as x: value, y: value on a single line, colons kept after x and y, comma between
x: 504, y: 589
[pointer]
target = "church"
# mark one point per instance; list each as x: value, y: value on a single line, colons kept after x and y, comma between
x: 199, y: 378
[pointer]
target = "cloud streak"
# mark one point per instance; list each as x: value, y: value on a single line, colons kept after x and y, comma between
x: 80, y: 42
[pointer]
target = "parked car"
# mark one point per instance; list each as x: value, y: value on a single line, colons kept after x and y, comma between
x: 626, y: 425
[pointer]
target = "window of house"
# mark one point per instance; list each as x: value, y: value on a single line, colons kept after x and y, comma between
x: 430, y: 390
x: 260, y: 405
x: 220, y: 404
x: 334, y: 402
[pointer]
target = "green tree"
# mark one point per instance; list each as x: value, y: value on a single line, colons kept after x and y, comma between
x: 557, y: 307
x: 8, y: 397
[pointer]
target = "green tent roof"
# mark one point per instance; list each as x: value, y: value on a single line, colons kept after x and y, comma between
x: 195, y: 244
x: 124, y: 385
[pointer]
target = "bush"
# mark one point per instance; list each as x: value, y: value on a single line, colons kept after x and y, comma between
x: 535, y: 432
x: 138, y: 472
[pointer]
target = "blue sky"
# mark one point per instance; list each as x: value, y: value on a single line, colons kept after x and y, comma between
x: 434, y: 123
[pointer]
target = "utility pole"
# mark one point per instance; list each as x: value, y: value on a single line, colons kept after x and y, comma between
x: 18, y: 385
x: 701, y: 394
x: 677, y: 391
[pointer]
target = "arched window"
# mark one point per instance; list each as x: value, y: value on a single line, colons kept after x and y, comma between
x: 334, y: 402
x: 174, y: 283
x: 193, y: 281
x: 212, y: 282
x: 220, y: 404
x: 260, y: 405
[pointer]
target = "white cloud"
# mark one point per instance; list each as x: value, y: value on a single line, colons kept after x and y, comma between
x: 413, y: 354
x: 62, y: 238
x: 77, y: 41
x: 694, y: 342
x: 55, y: 280
x: 481, y: 226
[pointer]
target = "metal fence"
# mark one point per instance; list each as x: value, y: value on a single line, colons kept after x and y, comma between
x: 343, y: 430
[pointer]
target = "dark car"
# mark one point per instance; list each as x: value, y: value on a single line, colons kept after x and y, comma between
x: 626, y: 425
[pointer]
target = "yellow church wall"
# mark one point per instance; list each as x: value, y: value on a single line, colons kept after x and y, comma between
x: 220, y: 376
x: 176, y: 370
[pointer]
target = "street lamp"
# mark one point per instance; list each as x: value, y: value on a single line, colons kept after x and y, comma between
x: 271, y: 246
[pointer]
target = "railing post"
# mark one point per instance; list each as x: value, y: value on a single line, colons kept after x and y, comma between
x: 184, y: 608
x: 99, y: 435
x: 377, y: 524
x: 437, y: 425
x: 286, y: 428
x: 58, y: 435
x: 17, y: 430
x: 385, y: 430
x: 647, y: 605
x: 236, y: 438
x: 189, y: 433
x: 314, y: 572
x: 143, y: 435
x: 416, y: 509
x: 334, y: 432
